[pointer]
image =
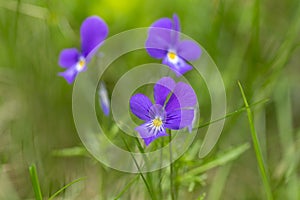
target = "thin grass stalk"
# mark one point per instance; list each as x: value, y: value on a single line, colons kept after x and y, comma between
x: 35, y: 182
x: 257, y: 149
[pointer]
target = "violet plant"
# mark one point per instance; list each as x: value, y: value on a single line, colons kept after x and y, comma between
x: 164, y: 43
x: 173, y: 109
x: 93, y: 31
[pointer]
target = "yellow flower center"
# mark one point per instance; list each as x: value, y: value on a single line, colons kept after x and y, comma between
x: 172, y: 55
x: 157, y: 122
x: 81, y: 63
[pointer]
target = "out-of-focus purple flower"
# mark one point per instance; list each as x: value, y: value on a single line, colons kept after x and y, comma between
x: 103, y: 98
x: 92, y: 32
x: 163, y: 42
x: 173, y: 109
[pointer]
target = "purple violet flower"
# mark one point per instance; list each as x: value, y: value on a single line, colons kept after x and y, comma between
x: 163, y: 42
x: 103, y: 98
x: 92, y: 32
x: 173, y: 109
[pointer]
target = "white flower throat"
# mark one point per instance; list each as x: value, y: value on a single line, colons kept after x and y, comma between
x: 80, y: 64
x: 172, y: 57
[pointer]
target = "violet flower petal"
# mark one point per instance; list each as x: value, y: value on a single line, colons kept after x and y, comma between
x: 162, y: 89
x: 192, y: 125
x: 188, y: 50
x: 70, y: 74
x: 157, y: 110
x: 159, y: 38
x: 147, y: 136
x: 176, y: 28
x: 179, y: 68
x: 140, y: 105
x: 178, y: 119
x: 183, y: 97
x: 156, y: 52
x: 176, y: 23
x: 103, y: 98
x: 92, y: 31
x: 162, y: 28
x: 68, y: 57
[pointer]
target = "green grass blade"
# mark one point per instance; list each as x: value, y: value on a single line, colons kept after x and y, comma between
x: 35, y: 182
x: 258, y: 153
x: 221, y: 160
x: 65, y: 187
x: 127, y: 186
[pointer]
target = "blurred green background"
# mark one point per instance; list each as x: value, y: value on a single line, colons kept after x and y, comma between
x: 252, y: 41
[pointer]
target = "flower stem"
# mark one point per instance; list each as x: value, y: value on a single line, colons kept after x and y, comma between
x: 160, y: 170
x: 172, y: 189
x: 150, y: 189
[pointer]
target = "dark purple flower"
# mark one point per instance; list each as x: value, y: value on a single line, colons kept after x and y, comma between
x: 92, y: 32
x: 163, y: 42
x: 103, y: 98
x: 173, y: 109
